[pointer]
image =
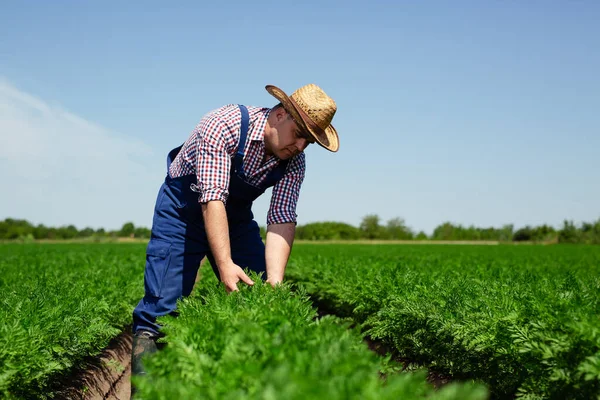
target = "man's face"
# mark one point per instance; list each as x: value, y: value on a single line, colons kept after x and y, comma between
x: 288, y: 139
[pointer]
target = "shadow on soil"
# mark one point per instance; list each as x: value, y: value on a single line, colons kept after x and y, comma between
x: 97, y: 377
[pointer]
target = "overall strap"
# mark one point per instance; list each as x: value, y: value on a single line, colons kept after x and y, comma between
x: 276, y: 174
x: 171, y: 156
x: 239, y: 156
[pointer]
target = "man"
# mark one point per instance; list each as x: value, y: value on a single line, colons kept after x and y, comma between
x: 204, y: 206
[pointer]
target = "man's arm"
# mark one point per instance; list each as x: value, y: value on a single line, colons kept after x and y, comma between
x: 280, y: 238
x: 281, y: 219
x: 217, y: 231
x: 218, y: 141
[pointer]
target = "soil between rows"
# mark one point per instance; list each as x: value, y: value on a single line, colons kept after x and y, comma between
x: 107, y: 375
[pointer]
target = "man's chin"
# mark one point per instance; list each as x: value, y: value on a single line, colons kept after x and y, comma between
x: 284, y: 154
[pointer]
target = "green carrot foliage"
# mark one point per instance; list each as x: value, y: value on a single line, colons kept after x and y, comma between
x: 265, y: 343
x: 523, y: 319
x: 58, y: 305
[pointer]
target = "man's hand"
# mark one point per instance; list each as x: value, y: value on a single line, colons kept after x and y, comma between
x: 231, y: 274
x: 273, y: 282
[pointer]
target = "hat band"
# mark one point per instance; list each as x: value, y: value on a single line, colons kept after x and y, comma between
x: 311, y: 124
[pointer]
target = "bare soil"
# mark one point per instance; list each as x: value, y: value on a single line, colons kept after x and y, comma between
x: 108, y: 375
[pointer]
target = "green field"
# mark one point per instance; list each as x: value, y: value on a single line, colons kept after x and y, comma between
x: 59, y: 304
x: 522, y: 319
x: 516, y: 320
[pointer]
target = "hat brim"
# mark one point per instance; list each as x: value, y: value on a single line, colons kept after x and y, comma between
x: 330, y: 140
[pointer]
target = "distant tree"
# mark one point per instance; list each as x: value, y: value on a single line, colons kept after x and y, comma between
x: 346, y: 231
x: 506, y: 233
x: 444, y: 231
x: 53, y: 234
x: 86, y: 232
x: 40, y: 232
x: 569, y: 233
x: 449, y: 231
x: 15, y: 229
x: 595, y: 233
x: 3, y: 230
x: 523, y: 234
x: 370, y: 227
x: 397, y: 229
x: 421, y: 236
x: 66, y: 232
x: 586, y: 227
x: 141, y: 232
x: 327, y: 230
x: 127, y: 230
x: 543, y: 233
x: 590, y: 232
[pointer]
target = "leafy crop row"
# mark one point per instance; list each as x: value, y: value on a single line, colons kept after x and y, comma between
x: 265, y: 343
x: 522, y: 319
x: 58, y: 305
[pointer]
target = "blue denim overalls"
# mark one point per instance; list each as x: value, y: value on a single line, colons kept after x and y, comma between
x: 178, y: 241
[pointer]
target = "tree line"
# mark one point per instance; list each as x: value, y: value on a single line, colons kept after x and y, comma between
x: 370, y: 228
x: 19, y: 229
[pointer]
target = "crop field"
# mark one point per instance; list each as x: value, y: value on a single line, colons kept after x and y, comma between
x: 523, y: 319
x: 498, y: 321
x: 59, y: 304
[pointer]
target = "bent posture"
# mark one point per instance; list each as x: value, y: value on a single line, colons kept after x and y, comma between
x: 204, y: 206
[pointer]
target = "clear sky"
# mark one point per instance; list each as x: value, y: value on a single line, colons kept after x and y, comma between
x: 473, y: 112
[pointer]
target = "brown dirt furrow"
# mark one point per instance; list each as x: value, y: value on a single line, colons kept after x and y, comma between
x: 107, y: 375
x: 112, y: 381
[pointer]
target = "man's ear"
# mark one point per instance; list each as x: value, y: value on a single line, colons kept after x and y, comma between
x: 281, y: 114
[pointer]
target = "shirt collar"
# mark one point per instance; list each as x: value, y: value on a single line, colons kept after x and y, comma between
x: 258, y: 121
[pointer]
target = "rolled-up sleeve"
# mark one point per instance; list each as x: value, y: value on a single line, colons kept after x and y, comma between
x: 286, y: 192
x: 213, y: 161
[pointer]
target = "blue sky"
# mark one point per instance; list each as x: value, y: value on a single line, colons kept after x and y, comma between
x: 473, y: 112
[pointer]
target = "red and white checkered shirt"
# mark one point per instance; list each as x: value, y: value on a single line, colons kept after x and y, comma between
x: 209, y: 150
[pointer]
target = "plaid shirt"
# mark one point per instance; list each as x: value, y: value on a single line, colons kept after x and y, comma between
x: 209, y: 151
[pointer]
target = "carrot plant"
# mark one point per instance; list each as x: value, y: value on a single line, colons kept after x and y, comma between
x: 522, y: 319
x: 265, y: 343
x: 58, y: 305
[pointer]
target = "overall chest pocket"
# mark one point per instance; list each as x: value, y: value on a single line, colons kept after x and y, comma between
x: 184, y: 195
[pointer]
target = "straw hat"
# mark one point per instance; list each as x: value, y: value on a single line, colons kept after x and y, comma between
x: 313, y: 110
